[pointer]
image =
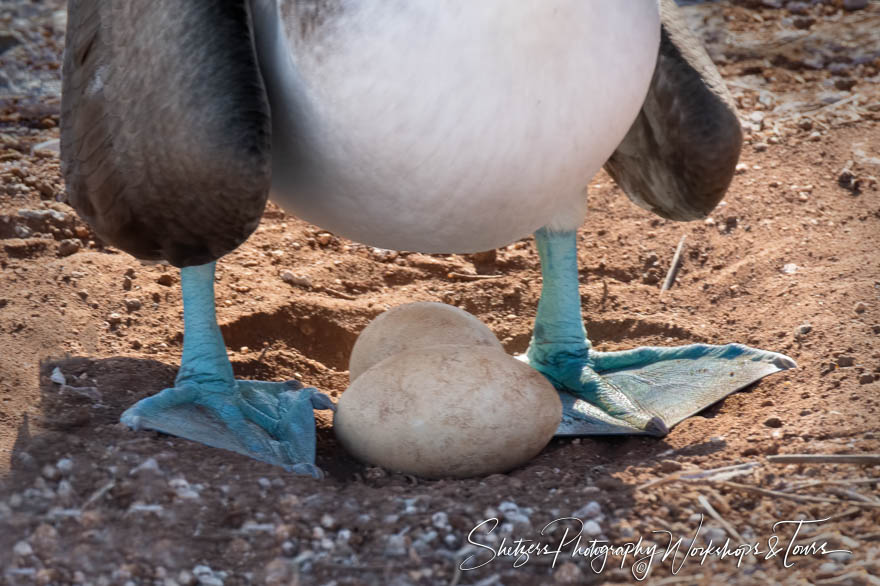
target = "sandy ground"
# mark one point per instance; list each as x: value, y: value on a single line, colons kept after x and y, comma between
x: 789, y: 262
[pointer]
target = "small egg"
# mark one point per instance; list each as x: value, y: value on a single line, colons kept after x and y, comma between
x: 448, y: 411
x: 416, y: 325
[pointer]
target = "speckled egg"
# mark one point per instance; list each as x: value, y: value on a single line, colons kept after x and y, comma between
x: 416, y: 325
x: 448, y: 411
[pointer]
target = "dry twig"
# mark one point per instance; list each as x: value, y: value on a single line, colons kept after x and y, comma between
x: 676, y: 264
x: 864, y: 459
x: 469, y: 277
x: 714, y: 514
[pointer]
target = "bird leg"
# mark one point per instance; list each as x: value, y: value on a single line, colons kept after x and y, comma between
x: 270, y: 421
x: 641, y: 391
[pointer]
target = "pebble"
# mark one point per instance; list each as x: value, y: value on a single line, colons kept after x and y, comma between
x: 670, y: 466
x: 395, y: 545
x: 50, y: 472
x: 205, y: 576
x: 715, y: 534
x: 773, y: 422
x: 57, y: 376
x: 592, y: 529
x: 828, y: 569
x: 165, y: 279
x: 854, y: 4
x: 845, y: 361
x: 440, y: 520
x: 591, y: 510
x: 293, y: 279
x: 69, y: 246
x: 22, y: 549
x: 803, y: 330
x: 114, y: 319
x: 568, y: 573
x: 866, y: 379
x: 148, y: 465
x: 861, y: 307
x: 790, y: 268
x: 133, y: 304
x: 323, y: 238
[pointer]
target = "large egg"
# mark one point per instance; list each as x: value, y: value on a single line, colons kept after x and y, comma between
x: 448, y: 411
x: 416, y: 325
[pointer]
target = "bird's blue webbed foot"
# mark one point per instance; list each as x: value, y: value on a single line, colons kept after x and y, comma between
x: 269, y: 421
x: 641, y: 391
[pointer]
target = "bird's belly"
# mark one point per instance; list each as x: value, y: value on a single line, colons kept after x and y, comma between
x: 453, y: 126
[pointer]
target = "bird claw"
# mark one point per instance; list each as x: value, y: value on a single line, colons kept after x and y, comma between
x: 272, y: 422
x: 648, y: 390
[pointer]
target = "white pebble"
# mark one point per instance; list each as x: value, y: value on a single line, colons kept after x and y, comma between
x: 589, y: 511
x: 150, y: 464
x: 592, y: 529
x: 440, y: 520
x: 64, y: 465
x: 395, y: 545
x: 22, y: 549
x: 57, y: 377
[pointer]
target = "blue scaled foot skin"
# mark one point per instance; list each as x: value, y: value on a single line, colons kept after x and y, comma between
x: 269, y: 421
x: 641, y: 391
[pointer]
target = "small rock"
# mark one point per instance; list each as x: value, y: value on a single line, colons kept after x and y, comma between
x: 790, y: 268
x: 126, y: 283
x: 773, y: 422
x: 802, y: 330
x: 395, y: 545
x: 670, y: 466
x: 592, y: 529
x: 876, y: 328
x: 133, y: 304
x: 568, y: 573
x: 22, y: 549
x: 861, y: 307
x: 866, y: 379
x: 293, y: 279
x: 50, y: 472
x: 815, y: 136
x: 69, y: 246
x: 64, y: 465
x: 760, y: 147
x: 57, y: 377
x: 440, y: 520
x: 165, y: 279
x: 716, y: 535
x: 324, y: 238
x: 114, y: 319
x: 845, y: 360
x: 591, y: 510
x: 828, y: 569
x: 805, y: 124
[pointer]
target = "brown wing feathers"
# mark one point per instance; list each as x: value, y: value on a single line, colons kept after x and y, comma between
x: 165, y: 125
x: 680, y: 155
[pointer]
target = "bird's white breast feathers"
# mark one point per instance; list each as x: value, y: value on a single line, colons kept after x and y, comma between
x: 454, y: 125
